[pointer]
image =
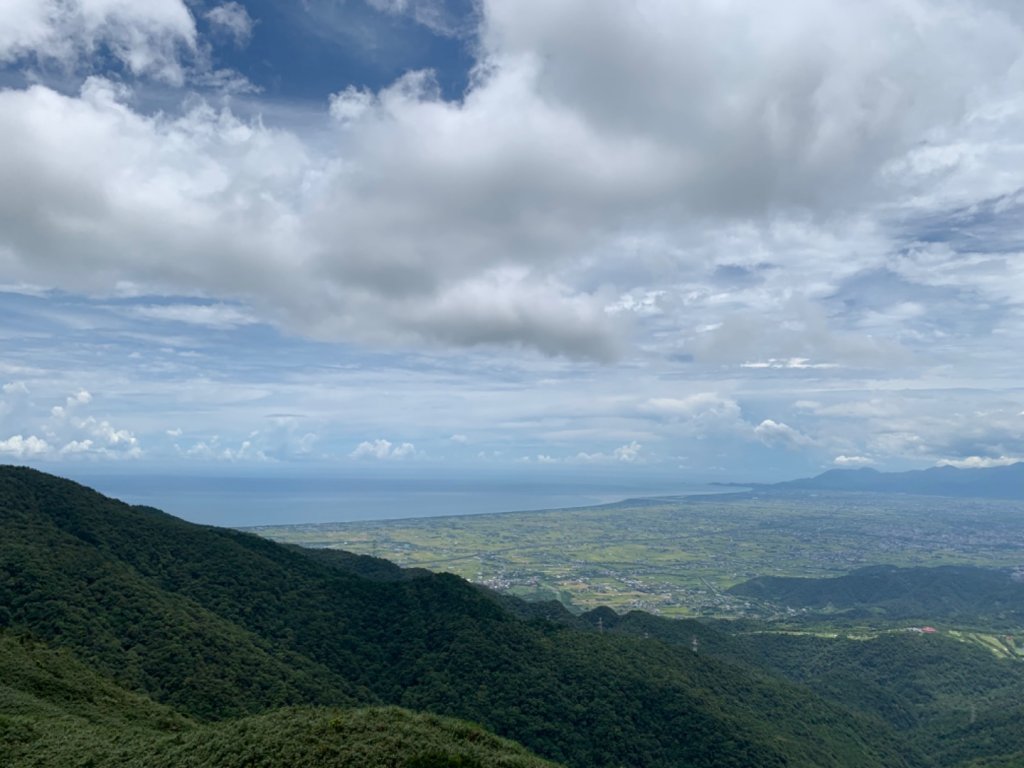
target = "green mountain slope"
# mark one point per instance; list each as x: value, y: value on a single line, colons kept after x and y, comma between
x: 969, y: 595
x: 957, y: 702
x: 107, y: 580
x: 216, y: 624
x: 360, y: 738
x: 55, y: 711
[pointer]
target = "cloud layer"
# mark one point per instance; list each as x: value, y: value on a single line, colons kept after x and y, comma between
x: 495, y: 219
x: 782, y: 206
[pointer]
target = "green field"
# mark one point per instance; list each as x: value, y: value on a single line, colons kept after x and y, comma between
x: 676, y: 556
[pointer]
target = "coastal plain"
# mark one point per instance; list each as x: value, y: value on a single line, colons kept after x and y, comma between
x: 678, y: 556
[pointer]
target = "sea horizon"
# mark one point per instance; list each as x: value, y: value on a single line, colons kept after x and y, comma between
x: 245, y: 502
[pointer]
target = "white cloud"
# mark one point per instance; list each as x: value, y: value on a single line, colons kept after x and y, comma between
x: 226, y: 82
x: 540, y: 458
x: 107, y: 434
x: 798, y: 363
x: 383, y: 450
x: 460, y: 439
x: 773, y: 210
x: 980, y: 462
x: 402, y: 451
x: 628, y: 453
x: 78, y: 446
x: 788, y: 91
x: 221, y: 316
x: 234, y: 19
x: 512, y: 216
x: 377, y: 449
x: 82, y: 397
x: 146, y: 37
x: 646, y: 303
x: 22, y: 447
x: 247, y: 451
x: 214, y: 450
x: 349, y: 105
x: 433, y: 14
x: 305, y: 444
x: 852, y: 461
x: 206, y: 202
x: 78, y: 433
x: 693, y: 406
x: 794, y: 329
x: 775, y: 433
x: 701, y: 414
x: 953, y: 423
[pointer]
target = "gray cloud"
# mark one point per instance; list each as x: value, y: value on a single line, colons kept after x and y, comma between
x: 603, y: 151
x: 761, y: 105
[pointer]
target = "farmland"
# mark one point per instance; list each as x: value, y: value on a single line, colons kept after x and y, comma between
x: 677, y: 556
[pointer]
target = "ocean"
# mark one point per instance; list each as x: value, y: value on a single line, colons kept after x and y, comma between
x: 247, y: 501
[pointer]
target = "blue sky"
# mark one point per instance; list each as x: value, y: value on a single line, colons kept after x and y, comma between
x: 537, y: 240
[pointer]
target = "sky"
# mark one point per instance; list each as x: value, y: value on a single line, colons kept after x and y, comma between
x: 647, y: 241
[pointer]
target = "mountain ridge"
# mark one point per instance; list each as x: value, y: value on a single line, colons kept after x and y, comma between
x: 1003, y: 482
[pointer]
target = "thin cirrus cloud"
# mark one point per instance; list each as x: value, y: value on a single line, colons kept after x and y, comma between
x: 214, y: 316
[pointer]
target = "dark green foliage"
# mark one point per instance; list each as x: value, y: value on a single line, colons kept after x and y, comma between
x: 960, y: 594
x: 128, y: 588
x: 953, y: 701
x: 39, y: 681
x: 373, y: 568
x: 54, y: 711
x: 342, y: 739
x: 220, y: 624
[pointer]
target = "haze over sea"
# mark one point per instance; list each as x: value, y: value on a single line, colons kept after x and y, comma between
x: 246, y: 501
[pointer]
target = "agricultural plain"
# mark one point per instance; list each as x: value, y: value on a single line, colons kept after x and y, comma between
x: 678, y: 556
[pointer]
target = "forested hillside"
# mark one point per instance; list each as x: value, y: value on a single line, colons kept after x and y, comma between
x: 219, y: 624
x: 55, y: 711
x: 965, y: 595
x: 128, y: 632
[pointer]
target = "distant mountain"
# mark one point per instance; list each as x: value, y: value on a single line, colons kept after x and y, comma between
x: 990, y: 482
x: 221, y: 627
